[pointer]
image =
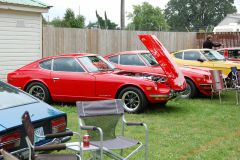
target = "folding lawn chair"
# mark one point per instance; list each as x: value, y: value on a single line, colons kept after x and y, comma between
x: 29, y: 129
x: 7, y: 156
x: 234, y: 81
x: 100, y: 119
x: 217, y: 83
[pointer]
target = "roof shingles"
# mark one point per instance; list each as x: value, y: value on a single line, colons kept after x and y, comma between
x: 33, y: 3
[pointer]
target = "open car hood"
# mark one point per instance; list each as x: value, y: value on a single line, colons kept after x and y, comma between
x: 172, y: 71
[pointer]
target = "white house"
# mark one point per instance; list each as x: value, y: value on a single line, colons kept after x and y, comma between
x: 231, y: 23
x: 20, y: 33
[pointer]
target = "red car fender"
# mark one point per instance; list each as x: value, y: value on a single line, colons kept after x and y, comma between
x: 35, y: 80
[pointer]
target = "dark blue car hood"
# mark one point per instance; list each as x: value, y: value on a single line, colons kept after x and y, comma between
x: 11, y: 117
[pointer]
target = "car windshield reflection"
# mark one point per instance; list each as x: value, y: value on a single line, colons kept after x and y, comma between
x: 148, y: 57
x: 96, y: 63
x: 10, y: 97
x: 213, y: 55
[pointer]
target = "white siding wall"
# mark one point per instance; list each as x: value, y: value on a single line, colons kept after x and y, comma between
x: 20, y: 40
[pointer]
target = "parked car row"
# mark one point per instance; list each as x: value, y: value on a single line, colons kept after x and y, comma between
x: 72, y: 77
x: 137, y: 77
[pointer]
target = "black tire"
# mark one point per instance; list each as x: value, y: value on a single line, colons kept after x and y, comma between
x: 40, y: 91
x: 191, y: 90
x: 134, y: 99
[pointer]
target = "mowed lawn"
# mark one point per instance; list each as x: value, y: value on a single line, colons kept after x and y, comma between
x: 185, y: 129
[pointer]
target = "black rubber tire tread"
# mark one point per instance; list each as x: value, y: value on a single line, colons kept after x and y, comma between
x: 194, y: 90
x: 47, y: 98
x: 143, y: 100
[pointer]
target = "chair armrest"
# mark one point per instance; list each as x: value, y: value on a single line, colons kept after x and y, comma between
x: 134, y: 123
x: 59, y: 135
x: 51, y: 147
x: 94, y: 128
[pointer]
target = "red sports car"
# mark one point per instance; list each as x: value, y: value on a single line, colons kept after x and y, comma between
x: 73, y: 77
x: 232, y: 54
x: 198, y: 79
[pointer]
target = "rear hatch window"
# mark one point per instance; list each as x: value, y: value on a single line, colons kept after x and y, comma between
x: 11, y: 97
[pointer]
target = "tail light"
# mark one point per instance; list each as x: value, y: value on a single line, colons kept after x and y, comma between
x: 10, y: 141
x: 58, y: 125
x: 225, y: 53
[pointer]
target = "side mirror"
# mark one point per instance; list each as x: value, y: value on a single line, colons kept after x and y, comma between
x: 200, y: 60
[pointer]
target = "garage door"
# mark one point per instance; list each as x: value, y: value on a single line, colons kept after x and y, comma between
x: 20, y: 40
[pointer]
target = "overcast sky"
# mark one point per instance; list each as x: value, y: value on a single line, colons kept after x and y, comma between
x: 87, y: 8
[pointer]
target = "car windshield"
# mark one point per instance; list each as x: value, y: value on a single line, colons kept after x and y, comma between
x: 212, y: 55
x: 11, y: 97
x: 96, y: 63
x: 148, y: 57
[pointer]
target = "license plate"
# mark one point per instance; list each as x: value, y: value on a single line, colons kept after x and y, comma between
x: 38, y: 132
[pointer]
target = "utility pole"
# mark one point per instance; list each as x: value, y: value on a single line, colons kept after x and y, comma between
x: 122, y: 14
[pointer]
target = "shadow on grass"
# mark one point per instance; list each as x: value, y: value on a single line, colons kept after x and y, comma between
x: 155, y: 109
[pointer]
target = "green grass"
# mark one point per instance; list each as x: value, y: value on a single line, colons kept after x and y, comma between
x: 186, y: 129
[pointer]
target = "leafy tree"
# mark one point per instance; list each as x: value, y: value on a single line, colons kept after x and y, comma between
x: 146, y: 17
x: 80, y: 21
x: 92, y: 25
x: 103, y: 23
x: 57, y: 22
x: 109, y: 24
x: 69, y: 20
x: 100, y: 21
x: 192, y: 15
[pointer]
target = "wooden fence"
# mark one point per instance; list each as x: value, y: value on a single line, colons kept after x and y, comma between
x: 70, y: 40
x: 228, y: 39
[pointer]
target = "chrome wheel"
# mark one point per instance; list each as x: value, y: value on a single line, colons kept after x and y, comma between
x: 187, y: 92
x: 131, y: 100
x: 38, y: 92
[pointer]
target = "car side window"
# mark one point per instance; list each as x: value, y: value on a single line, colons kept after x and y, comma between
x: 67, y: 64
x: 221, y: 52
x: 192, y: 55
x: 131, y: 59
x: 47, y: 64
x: 178, y: 55
x: 114, y: 59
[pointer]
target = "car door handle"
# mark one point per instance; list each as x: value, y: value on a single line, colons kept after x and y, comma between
x: 56, y: 78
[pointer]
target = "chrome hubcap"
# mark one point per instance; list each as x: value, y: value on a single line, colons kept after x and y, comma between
x: 38, y: 92
x: 131, y: 100
x: 187, y: 92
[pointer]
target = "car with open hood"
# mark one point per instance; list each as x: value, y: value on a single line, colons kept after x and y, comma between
x: 45, y: 118
x: 204, y: 58
x: 198, y: 79
x: 82, y: 76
